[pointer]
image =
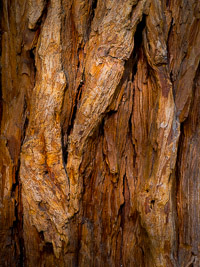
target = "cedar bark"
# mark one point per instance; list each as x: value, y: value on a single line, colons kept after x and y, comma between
x: 100, y: 133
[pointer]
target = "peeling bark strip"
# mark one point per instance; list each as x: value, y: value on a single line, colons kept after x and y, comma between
x: 100, y: 133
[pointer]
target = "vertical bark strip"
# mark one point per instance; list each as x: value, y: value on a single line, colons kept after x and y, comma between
x: 42, y: 144
x: 100, y: 133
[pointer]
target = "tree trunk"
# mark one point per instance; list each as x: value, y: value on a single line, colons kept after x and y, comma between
x: 100, y: 133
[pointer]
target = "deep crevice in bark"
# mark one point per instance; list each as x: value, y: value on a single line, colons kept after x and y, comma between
x: 17, y: 230
x: 17, y: 187
x: 73, y: 117
x: 130, y: 65
x: 32, y: 57
x: 138, y: 44
x: 94, y: 5
x: 93, y: 8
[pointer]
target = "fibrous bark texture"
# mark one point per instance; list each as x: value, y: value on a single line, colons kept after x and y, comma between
x: 100, y: 133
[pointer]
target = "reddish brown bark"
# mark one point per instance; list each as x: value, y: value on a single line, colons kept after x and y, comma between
x: 100, y: 133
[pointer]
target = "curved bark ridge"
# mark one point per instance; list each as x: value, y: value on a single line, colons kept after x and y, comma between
x: 42, y: 172
x: 110, y: 44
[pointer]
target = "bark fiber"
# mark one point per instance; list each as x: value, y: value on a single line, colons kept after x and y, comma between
x: 100, y: 133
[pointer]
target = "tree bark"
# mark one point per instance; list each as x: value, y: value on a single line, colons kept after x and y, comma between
x: 100, y: 133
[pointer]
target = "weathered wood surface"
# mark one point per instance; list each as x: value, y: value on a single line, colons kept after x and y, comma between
x: 100, y: 133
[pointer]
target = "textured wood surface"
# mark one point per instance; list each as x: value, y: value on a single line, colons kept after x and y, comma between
x: 100, y: 133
